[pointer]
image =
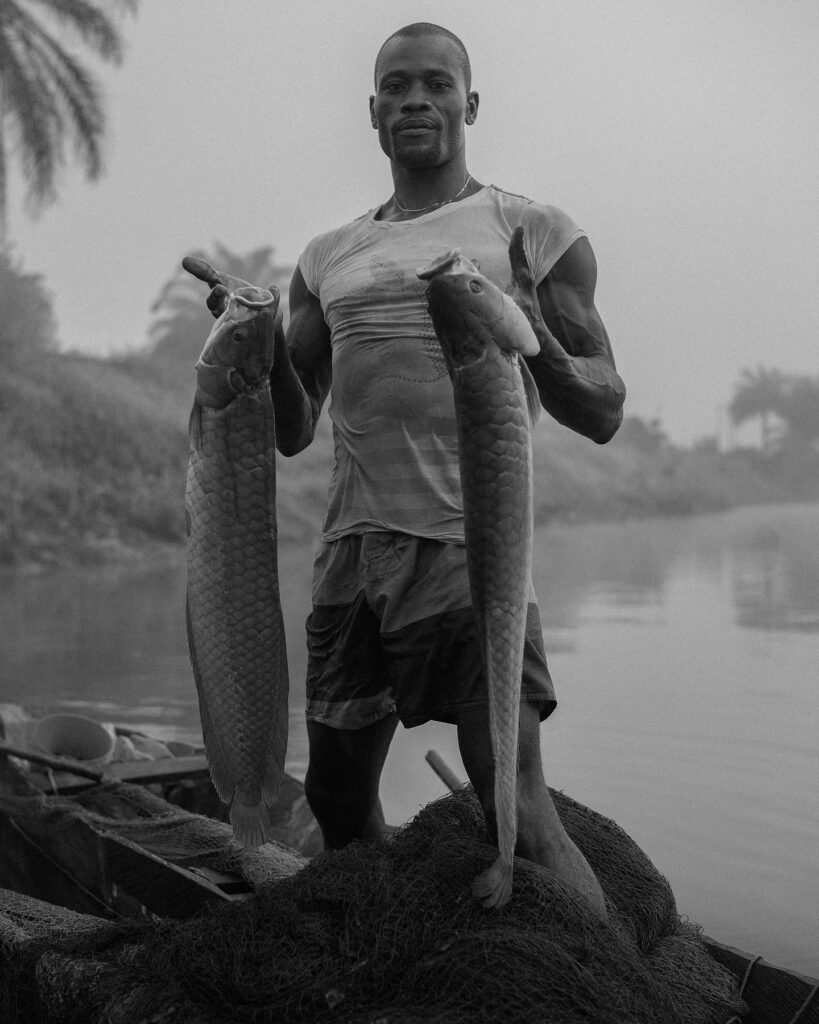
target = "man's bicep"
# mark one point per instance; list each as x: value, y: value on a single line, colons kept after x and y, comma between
x: 566, y: 299
x: 308, y: 340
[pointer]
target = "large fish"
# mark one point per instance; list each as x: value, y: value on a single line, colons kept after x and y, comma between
x: 235, y: 628
x: 483, y: 333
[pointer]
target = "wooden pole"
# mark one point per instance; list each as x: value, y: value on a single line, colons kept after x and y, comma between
x: 443, y: 771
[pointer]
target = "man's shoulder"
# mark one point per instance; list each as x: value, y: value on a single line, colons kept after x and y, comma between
x: 329, y: 239
x: 527, y: 208
x: 548, y: 231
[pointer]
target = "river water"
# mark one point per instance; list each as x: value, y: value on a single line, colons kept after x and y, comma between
x: 686, y: 656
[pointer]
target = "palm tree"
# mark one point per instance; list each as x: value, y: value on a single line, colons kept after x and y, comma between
x: 761, y: 393
x: 47, y: 97
x: 801, y: 410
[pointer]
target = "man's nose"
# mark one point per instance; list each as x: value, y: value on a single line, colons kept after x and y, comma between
x: 416, y: 98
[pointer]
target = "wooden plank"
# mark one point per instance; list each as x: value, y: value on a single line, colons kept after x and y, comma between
x: 775, y: 995
x: 165, y: 769
x: 162, y: 770
x: 164, y: 888
x: 61, y: 764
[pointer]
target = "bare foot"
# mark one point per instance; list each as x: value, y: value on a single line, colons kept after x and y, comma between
x: 569, y: 864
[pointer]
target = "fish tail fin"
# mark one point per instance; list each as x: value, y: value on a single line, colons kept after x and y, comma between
x: 250, y: 823
x: 494, y: 886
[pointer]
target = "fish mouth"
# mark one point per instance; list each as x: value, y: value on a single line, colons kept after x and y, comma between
x: 252, y: 303
x: 451, y: 262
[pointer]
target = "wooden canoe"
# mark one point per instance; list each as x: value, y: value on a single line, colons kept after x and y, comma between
x: 92, y: 863
x: 774, y: 995
x: 90, y: 869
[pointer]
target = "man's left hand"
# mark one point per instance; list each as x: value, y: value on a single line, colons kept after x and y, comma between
x: 523, y: 289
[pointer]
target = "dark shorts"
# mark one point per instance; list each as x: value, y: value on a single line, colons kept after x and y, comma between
x: 392, y: 631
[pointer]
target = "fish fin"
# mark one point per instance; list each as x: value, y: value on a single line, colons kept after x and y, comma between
x: 250, y: 823
x: 219, y: 775
x: 494, y: 886
x: 219, y: 772
x: 195, y: 426
x: 531, y: 392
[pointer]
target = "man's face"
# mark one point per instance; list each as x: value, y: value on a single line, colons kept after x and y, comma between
x: 421, y: 103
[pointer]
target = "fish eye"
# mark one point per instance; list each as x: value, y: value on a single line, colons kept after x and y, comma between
x: 239, y: 334
x: 475, y: 286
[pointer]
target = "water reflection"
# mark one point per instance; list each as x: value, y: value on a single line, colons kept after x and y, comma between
x: 684, y: 654
x: 775, y: 574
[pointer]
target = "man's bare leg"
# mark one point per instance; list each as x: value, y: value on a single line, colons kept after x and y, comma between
x: 541, y: 836
x: 342, y: 780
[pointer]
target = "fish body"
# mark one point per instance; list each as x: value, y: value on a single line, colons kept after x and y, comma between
x: 235, y: 628
x: 482, y: 333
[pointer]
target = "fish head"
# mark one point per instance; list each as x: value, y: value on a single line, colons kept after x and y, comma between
x: 470, y: 313
x: 238, y: 354
x: 461, y: 306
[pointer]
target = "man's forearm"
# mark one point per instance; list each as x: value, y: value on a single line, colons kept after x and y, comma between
x: 295, y: 417
x: 584, y: 393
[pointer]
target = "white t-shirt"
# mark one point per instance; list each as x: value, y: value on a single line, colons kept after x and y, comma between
x: 391, y: 405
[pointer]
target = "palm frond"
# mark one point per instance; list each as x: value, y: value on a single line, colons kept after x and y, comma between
x: 29, y: 104
x: 76, y: 94
x: 91, y: 24
x: 47, y: 97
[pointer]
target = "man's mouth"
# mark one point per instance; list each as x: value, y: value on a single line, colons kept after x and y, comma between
x: 414, y: 126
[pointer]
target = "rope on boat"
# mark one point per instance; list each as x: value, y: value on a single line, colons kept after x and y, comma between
x: 805, y: 1005
x: 63, y: 870
x: 746, y: 977
x: 796, y: 1017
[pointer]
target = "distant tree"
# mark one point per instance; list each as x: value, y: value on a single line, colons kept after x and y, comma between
x: 182, y: 321
x: 760, y: 394
x: 646, y: 436
x: 27, y: 324
x: 801, y: 409
x: 47, y: 97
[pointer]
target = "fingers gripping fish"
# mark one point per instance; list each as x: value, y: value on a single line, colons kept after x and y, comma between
x: 235, y: 628
x: 482, y: 332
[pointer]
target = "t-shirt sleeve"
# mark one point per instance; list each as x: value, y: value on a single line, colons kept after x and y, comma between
x: 548, y: 234
x: 311, y: 263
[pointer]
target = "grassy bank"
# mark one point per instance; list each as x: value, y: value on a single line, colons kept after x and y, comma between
x: 92, y: 466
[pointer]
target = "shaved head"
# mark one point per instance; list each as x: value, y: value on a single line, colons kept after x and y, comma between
x: 426, y: 28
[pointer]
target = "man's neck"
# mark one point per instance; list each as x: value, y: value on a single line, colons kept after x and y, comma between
x: 421, y: 190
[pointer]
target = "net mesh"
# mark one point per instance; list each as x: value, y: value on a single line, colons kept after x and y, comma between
x: 382, y: 933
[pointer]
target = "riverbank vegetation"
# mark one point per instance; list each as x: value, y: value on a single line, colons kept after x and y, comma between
x: 94, y: 453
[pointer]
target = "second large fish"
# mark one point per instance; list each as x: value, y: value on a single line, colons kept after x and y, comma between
x: 483, y: 333
x: 235, y: 628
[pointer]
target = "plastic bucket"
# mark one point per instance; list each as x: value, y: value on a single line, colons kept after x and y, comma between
x: 74, y: 736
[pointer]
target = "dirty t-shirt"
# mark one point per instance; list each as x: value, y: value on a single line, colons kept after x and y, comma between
x: 391, y: 403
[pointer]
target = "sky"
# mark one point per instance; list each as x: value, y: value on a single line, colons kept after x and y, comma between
x: 683, y: 136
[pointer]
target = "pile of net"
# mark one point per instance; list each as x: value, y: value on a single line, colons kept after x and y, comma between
x: 384, y: 933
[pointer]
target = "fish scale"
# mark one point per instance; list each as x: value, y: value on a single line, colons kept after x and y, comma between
x: 495, y: 445
x: 235, y: 626
x: 482, y: 332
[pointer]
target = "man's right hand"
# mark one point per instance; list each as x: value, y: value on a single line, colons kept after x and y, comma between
x: 221, y: 285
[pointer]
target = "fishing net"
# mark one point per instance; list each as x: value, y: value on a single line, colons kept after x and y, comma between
x: 382, y: 933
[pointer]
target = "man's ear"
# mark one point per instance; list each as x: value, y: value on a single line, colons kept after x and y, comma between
x: 373, y: 121
x: 472, y: 101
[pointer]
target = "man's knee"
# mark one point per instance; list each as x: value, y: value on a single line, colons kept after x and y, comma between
x: 343, y: 814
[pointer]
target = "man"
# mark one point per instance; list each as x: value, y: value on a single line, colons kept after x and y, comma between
x: 391, y: 634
